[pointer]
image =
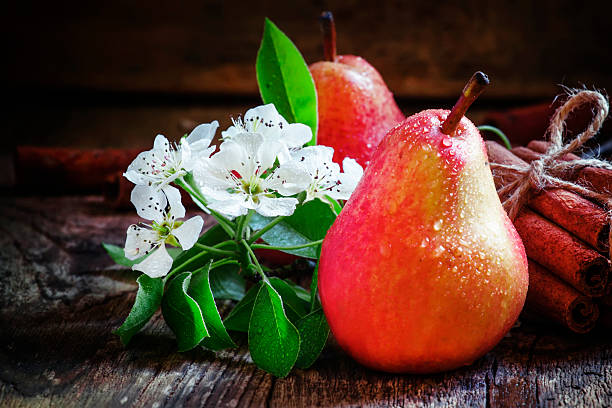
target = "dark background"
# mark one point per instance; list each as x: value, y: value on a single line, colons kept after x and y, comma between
x: 102, y: 74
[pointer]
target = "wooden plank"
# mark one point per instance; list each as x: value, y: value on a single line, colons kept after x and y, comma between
x: 423, y: 49
x: 60, y: 298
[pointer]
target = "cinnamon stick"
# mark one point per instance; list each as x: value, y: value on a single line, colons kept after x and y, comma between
x: 598, y: 179
x: 574, y: 213
x: 69, y: 170
x: 542, y: 146
x: 526, y: 154
x: 117, y: 191
x: 550, y: 297
x: 563, y: 254
x: 530, y: 155
x: 499, y: 154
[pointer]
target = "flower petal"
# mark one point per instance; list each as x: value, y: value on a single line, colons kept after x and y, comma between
x: 213, y: 174
x: 246, y: 151
x: 284, y: 155
x: 351, y: 168
x: 161, y: 144
x: 199, y: 139
x: 316, y: 159
x: 187, y: 234
x: 267, y: 111
x: 266, y: 120
x: 288, y: 179
x: 213, y: 177
x: 273, y: 207
x: 324, y: 173
x: 139, y: 241
x: 232, y: 207
x: 267, y: 153
x: 215, y: 194
x: 231, y: 131
x: 296, y: 135
x: 234, y: 156
x: 150, y: 167
x: 186, y: 156
x: 136, y: 169
x: 157, y: 264
x: 348, y: 179
x: 149, y: 203
x: 174, y: 202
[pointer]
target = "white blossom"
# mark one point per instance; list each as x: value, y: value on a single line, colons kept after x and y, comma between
x: 266, y: 120
x: 349, y: 178
x: 164, y: 208
x: 165, y: 163
x: 242, y: 176
x: 199, y: 142
x: 325, y: 178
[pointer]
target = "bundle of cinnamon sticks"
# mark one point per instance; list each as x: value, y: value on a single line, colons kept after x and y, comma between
x: 61, y: 170
x: 567, y: 241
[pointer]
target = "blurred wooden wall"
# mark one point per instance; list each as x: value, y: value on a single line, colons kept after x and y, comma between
x: 125, y: 56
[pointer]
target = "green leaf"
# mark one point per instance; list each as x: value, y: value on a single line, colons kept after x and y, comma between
x: 274, y: 342
x: 239, y: 317
x: 283, y: 235
x: 148, y: 299
x: 314, y: 330
x: 118, y: 255
x: 295, y: 308
x: 335, y: 205
x: 284, y: 79
x: 183, y: 314
x: 312, y: 219
x: 314, y: 284
x: 195, y: 257
x: 226, y: 282
x: 200, y: 291
x: 296, y: 305
x: 308, y: 223
x: 174, y: 252
x: 299, y: 291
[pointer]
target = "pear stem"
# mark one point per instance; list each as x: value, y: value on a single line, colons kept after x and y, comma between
x: 477, y: 83
x: 328, y: 28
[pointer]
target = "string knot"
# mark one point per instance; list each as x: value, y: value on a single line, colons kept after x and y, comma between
x: 537, y: 174
x: 549, y: 171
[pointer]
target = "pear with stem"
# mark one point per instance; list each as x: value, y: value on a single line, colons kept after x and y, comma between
x: 423, y: 271
x: 356, y: 109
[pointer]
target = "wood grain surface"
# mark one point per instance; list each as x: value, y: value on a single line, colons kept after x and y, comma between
x: 60, y: 298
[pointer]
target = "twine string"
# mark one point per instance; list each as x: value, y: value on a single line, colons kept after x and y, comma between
x: 550, y: 171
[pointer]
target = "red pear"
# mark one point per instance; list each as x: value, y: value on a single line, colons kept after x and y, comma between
x: 423, y: 271
x: 356, y: 109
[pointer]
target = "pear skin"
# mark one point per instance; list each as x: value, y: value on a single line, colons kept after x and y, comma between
x: 423, y: 271
x: 356, y: 109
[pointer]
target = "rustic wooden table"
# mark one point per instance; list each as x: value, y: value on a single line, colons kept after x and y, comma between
x: 60, y: 298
